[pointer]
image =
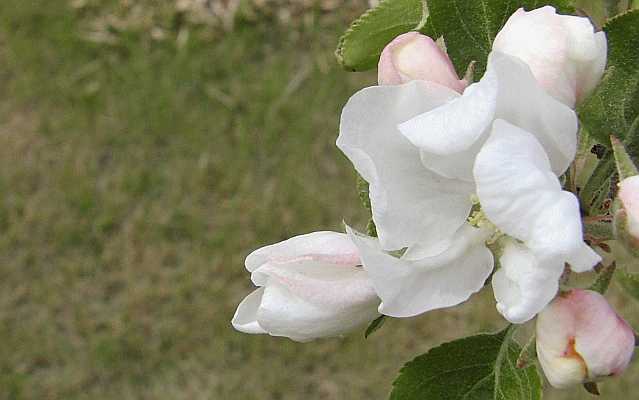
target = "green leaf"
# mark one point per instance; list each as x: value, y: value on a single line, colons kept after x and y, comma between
x: 362, y: 192
x: 360, y: 46
x: 614, y: 105
x: 470, y: 26
x: 625, y: 166
x: 371, y: 229
x: 477, y: 367
x: 374, y: 326
x: 600, y: 230
x: 604, y: 276
x: 630, y: 283
x: 598, y: 188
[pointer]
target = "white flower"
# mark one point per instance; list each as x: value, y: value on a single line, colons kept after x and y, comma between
x: 425, y: 150
x: 564, y: 53
x: 413, y: 56
x: 310, y: 286
x: 581, y: 339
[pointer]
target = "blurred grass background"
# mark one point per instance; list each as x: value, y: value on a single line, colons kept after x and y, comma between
x: 145, y: 148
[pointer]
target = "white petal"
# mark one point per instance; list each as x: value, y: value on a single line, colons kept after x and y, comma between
x: 507, y: 91
x: 521, y: 195
x: 245, y: 318
x: 410, y: 203
x: 591, y: 71
x: 453, y: 166
x: 330, y: 286
x: 455, y: 126
x: 410, y: 287
x: 522, y: 102
x: 583, y: 258
x: 331, y: 246
x: 300, y: 310
x: 522, y: 286
x: 564, y: 53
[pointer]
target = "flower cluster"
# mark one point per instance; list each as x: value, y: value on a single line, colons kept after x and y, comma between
x: 462, y: 176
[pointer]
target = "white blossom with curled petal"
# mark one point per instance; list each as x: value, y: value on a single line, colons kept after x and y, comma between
x: 425, y: 149
x: 310, y: 286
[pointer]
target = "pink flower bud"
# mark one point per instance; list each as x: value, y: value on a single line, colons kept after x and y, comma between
x: 413, y: 56
x: 581, y: 339
x: 564, y: 53
x: 627, y: 215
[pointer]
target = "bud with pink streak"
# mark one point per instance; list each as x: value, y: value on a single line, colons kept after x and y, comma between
x: 580, y: 338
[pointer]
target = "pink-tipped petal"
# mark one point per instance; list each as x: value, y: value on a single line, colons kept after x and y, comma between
x: 563, y: 51
x: 629, y: 197
x: 413, y: 56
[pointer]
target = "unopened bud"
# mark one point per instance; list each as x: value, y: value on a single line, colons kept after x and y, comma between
x: 564, y: 53
x: 626, y: 220
x: 580, y: 338
x: 413, y: 56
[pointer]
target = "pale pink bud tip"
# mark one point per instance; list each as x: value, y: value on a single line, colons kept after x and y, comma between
x: 580, y: 338
x: 629, y: 198
x: 413, y: 56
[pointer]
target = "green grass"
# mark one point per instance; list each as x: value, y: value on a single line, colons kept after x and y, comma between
x: 135, y: 178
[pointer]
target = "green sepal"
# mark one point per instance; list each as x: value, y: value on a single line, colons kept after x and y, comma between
x: 625, y: 167
x: 374, y: 326
x: 604, y: 277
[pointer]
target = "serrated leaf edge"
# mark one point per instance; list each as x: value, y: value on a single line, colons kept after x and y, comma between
x: 362, y: 19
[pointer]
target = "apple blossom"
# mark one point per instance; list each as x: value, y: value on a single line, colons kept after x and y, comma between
x: 310, y: 286
x: 419, y: 146
x: 413, y: 56
x: 581, y: 339
x: 626, y: 220
x: 564, y: 52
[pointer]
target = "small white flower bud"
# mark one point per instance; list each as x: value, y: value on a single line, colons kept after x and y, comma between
x: 310, y: 286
